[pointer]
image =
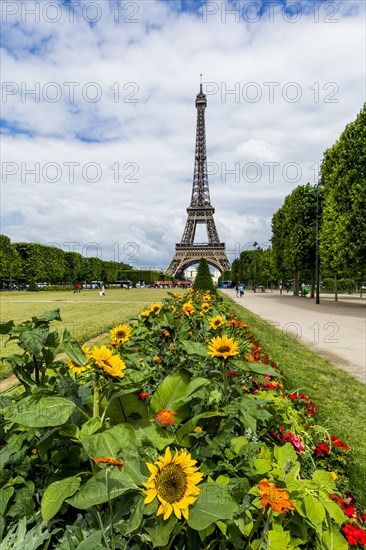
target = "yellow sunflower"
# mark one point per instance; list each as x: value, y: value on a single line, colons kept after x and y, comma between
x: 217, y: 322
x: 174, y: 482
x: 110, y: 363
x: 145, y: 313
x: 172, y: 309
x: 121, y: 333
x: 188, y: 308
x: 155, y: 308
x: 75, y: 368
x: 205, y: 307
x: 223, y: 347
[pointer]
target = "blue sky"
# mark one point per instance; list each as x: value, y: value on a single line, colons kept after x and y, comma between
x: 98, y: 115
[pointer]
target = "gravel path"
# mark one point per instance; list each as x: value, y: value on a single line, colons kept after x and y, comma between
x: 334, y: 330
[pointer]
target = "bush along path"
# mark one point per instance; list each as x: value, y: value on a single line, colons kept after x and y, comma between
x: 177, y: 434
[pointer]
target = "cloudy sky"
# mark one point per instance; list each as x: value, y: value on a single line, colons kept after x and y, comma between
x: 98, y: 115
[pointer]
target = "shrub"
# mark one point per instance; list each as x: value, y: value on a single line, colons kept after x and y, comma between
x: 203, y: 279
x: 33, y: 287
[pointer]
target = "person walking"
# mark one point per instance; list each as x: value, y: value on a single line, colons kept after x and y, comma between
x: 237, y: 290
x: 241, y: 290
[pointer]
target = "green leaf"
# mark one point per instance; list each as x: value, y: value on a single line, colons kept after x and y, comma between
x: 190, y: 425
x: 334, y: 510
x: 195, y: 348
x: 151, y: 434
x: 314, y: 510
x: 172, y: 393
x: 109, y: 443
x: 33, y: 340
x: 53, y: 315
x: 94, y: 491
x: 213, y: 503
x: 73, y: 349
x: 91, y: 426
x: 92, y: 542
x: 55, y: 494
x: 6, y: 326
x: 39, y: 412
x: 334, y: 542
x: 160, y: 533
x: 5, y: 496
x: 24, y: 503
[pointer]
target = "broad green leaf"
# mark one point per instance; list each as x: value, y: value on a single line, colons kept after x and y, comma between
x: 279, y: 540
x: 6, y: 326
x: 238, y: 443
x: 5, y: 496
x: 172, y: 394
x: 53, y: 315
x: 314, y: 510
x: 40, y: 412
x: 151, y: 434
x: 213, y: 503
x: 73, y: 349
x: 55, y: 494
x: 94, y: 491
x: 190, y: 425
x: 109, y: 443
x: 195, y: 348
x: 33, y: 340
x: 91, y: 426
x: 335, y: 541
x: 24, y: 502
x: 92, y: 542
x: 334, y: 510
x: 161, y: 531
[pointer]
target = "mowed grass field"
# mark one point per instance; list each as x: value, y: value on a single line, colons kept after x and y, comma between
x: 84, y: 315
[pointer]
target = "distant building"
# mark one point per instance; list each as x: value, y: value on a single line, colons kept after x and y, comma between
x: 191, y: 272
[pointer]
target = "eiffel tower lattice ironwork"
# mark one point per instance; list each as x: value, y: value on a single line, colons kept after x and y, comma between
x: 200, y: 211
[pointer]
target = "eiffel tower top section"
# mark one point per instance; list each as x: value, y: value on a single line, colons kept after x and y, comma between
x: 200, y: 191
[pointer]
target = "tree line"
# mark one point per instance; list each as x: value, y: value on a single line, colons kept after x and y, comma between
x: 26, y: 262
x: 331, y: 214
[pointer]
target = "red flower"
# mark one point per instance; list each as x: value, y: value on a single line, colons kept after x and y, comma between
x: 338, y: 443
x: 231, y: 373
x: 354, y: 535
x: 165, y: 416
x: 321, y: 449
x: 292, y: 396
x: 347, y: 506
x: 143, y: 394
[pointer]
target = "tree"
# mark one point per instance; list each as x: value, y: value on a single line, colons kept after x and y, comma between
x: 343, y: 172
x: 203, y: 279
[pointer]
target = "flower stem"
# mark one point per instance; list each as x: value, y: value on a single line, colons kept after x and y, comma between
x: 96, y: 397
x: 224, y: 372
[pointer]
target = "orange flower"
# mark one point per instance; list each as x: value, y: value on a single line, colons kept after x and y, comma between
x: 278, y: 499
x: 109, y: 460
x: 143, y: 394
x: 249, y: 358
x: 165, y: 333
x: 165, y: 416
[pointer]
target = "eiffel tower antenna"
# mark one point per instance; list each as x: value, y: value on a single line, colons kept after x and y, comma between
x: 200, y: 210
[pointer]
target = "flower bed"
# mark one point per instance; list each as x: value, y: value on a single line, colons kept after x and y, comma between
x: 178, y: 433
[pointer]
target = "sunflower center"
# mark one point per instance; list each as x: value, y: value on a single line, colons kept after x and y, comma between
x: 121, y: 334
x: 223, y: 349
x: 171, y: 483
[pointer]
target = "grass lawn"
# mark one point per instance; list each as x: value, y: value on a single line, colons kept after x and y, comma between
x: 84, y: 315
x: 339, y: 398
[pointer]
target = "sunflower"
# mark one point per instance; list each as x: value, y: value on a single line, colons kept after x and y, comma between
x: 121, y: 333
x: 172, y: 309
x: 145, y: 313
x: 223, y: 347
x: 188, y: 308
x: 174, y: 482
x: 205, y: 307
x: 75, y: 368
x: 155, y: 308
x: 110, y: 363
x: 217, y: 322
x: 278, y: 499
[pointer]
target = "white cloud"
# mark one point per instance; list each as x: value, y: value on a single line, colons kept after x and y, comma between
x: 258, y: 150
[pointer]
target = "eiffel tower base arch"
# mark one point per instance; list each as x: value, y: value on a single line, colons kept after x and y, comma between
x: 186, y: 255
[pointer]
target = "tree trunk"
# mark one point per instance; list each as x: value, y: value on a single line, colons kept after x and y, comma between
x: 296, y: 282
x: 335, y: 288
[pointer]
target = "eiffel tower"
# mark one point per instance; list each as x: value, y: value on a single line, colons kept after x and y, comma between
x: 200, y: 211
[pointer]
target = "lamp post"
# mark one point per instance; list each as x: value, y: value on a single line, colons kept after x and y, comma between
x: 255, y: 244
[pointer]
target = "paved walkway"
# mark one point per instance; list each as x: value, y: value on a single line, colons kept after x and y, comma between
x: 334, y: 330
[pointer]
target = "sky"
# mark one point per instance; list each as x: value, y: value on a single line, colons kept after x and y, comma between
x: 98, y: 116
